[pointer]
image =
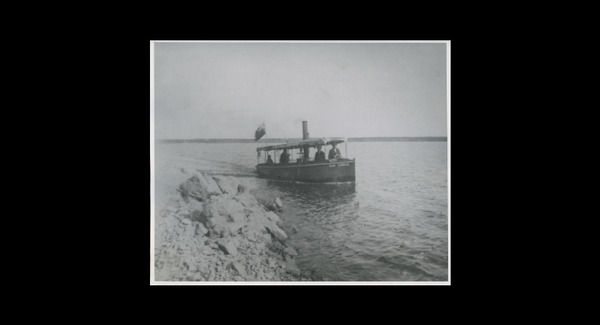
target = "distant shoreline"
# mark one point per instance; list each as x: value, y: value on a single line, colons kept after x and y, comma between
x: 279, y: 140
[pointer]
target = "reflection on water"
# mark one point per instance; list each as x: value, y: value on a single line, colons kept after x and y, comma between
x: 315, y: 193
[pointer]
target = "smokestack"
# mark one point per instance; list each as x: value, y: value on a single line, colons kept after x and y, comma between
x: 304, y: 130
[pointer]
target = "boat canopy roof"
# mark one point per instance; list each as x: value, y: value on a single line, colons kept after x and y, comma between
x: 303, y: 144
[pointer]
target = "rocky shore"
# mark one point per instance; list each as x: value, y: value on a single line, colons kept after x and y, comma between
x: 213, y: 229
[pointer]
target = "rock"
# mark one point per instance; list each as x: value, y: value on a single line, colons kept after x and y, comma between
x: 199, y: 187
x: 241, y: 188
x: 277, y: 232
x: 185, y: 221
x: 267, y: 239
x: 201, y: 229
x: 222, y: 207
x: 290, y: 251
x: 235, y: 211
x: 290, y: 267
x: 235, y: 229
x: 272, y: 216
x: 235, y: 217
x: 202, y: 268
x: 270, y: 206
x: 225, y: 214
x: 214, y: 211
x: 227, y: 246
x: 257, y: 218
x: 191, y: 187
x: 251, y: 236
x: 224, y: 232
x: 278, y: 203
x: 190, y: 230
x: 201, y: 216
x: 213, y: 233
x: 227, y: 184
x: 247, y: 201
x: 241, y: 270
x: 211, y: 186
x: 294, y: 230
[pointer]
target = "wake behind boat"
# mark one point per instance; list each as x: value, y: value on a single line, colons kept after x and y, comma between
x: 293, y: 161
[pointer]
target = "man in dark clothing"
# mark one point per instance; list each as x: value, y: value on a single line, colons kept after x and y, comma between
x: 269, y: 160
x: 334, y: 153
x: 285, y: 157
x: 320, y: 155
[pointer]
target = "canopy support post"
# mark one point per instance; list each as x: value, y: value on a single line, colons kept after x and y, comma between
x: 346, y: 142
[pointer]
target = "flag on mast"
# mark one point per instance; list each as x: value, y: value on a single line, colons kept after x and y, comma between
x: 260, y: 132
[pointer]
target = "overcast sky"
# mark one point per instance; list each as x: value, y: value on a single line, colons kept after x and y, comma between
x: 226, y: 90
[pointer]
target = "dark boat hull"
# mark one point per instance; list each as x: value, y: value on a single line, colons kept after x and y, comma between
x: 321, y: 172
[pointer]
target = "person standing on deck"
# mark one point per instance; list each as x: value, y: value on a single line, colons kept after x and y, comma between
x: 285, y: 157
x: 334, y: 152
x: 320, y: 155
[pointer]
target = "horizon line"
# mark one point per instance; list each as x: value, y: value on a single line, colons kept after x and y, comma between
x: 296, y: 138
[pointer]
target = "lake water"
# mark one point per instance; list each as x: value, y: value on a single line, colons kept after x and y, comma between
x: 391, y: 225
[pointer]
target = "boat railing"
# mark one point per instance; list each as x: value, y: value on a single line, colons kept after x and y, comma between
x: 301, y: 161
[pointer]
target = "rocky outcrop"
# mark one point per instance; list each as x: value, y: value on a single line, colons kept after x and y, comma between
x: 222, y: 234
x: 199, y: 187
x: 226, y: 184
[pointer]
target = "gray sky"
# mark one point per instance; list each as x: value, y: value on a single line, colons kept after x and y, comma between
x: 226, y: 90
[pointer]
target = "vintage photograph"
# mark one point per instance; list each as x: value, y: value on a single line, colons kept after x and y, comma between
x: 300, y: 162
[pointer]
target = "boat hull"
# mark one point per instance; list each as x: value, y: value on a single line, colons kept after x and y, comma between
x: 321, y: 172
